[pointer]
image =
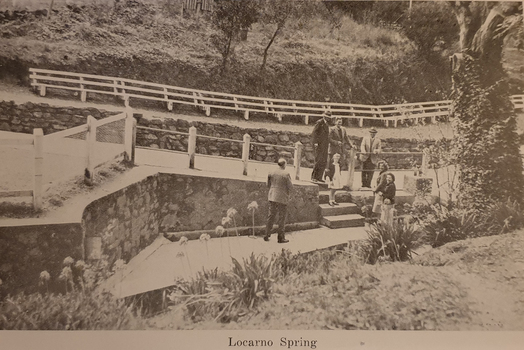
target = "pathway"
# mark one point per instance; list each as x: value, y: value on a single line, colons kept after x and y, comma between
x: 163, y: 262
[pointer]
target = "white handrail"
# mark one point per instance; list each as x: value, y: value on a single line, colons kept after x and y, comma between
x: 129, y: 88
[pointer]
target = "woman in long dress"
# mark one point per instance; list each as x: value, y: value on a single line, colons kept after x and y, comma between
x: 381, y: 183
x: 333, y: 175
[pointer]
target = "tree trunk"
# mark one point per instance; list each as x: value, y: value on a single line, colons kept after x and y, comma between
x: 268, y: 46
x: 486, y: 143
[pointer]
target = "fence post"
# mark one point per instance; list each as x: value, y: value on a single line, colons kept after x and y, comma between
x: 191, y: 147
x: 38, y: 138
x: 90, y: 145
x: 425, y: 158
x: 245, y: 152
x: 352, y: 161
x: 298, y: 158
x: 83, y: 93
x: 129, y: 137
x: 246, y: 114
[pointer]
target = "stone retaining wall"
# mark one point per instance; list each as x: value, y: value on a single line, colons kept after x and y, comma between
x: 130, y: 219
x: 28, y: 116
x: 24, y: 117
x: 175, y: 142
x: 26, y: 251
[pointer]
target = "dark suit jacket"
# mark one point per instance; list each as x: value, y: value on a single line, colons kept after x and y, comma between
x: 280, y: 186
x: 338, y: 140
x: 320, y: 134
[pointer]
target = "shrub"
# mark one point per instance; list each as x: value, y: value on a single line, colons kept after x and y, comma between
x: 504, y: 217
x: 84, y: 305
x: 444, y: 225
x: 224, y: 295
x: 393, y: 242
x: 288, y: 263
x: 72, y: 311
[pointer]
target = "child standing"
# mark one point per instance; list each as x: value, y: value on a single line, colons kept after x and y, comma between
x: 333, y: 175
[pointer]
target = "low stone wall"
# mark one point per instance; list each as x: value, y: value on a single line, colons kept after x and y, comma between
x: 26, y: 251
x: 28, y: 116
x: 130, y: 219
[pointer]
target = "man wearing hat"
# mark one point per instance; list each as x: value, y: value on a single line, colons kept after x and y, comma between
x: 320, y: 141
x: 370, y: 149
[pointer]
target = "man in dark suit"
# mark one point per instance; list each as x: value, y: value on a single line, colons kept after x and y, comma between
x: 339, y: 142
x: 320, y: 141
x: 280, y: 186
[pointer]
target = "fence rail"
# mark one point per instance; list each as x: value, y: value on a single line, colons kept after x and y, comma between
x: 297, y: 150
x: 206, y: 100
x: 104, y: 130
x: 36, y: 191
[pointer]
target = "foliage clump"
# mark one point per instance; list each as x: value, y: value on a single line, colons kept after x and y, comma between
x: 486, y: 145
x: 83, y: 304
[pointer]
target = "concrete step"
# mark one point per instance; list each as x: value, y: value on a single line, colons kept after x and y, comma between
x: 367, y: 197
x: 341, y: 209
x: 340, y: 196
x: 339, y: 221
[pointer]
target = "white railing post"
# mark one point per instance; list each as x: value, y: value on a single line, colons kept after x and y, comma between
x: 129, y: 137
x: 245, y: 152
x: 42, y: 90
x: 246, y: 114
x: 38, y: 139
x: 352, y: 160
x: 90, y: 145
x: 191, y: 147
x: 83, y: 93
x: 298, y: 158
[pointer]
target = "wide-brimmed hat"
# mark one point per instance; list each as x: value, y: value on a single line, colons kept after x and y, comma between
x: 373, y: 130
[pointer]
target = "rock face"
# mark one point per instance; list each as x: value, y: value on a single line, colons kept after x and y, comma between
x: 130, y: 219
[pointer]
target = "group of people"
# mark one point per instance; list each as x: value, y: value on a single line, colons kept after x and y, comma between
x: 331, y: 145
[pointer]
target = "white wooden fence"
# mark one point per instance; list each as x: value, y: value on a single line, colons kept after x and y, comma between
x: 84, y: 133
x: 91, y: 129
x: 85, y: 84
x: 36, y: 191
x: 297, y: 150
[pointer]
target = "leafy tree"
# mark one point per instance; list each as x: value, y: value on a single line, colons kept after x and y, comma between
x: 430, y: 27
x: 230, y: 17
x: 277, y: 13
x: 486, y: 142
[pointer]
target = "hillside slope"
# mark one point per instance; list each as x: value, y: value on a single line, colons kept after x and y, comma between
x: 357, y: 63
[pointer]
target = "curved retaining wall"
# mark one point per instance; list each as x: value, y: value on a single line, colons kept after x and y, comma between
x: 119, y: 225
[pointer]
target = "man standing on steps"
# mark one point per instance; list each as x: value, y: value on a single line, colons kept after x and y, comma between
x: 280, y: 186
x: 339, y: 141
x: 370, y: 149
x: 320, y: 141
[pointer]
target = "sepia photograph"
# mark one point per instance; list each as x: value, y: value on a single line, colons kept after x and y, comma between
x: 285, y: 174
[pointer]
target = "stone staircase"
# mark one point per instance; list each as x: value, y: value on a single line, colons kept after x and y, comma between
x: 346, y: 214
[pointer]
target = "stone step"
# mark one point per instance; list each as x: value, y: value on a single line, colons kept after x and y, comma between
x: 339, y: 221
x: 341, y: 209
x: 340, y: 196
x: 367, y: 197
